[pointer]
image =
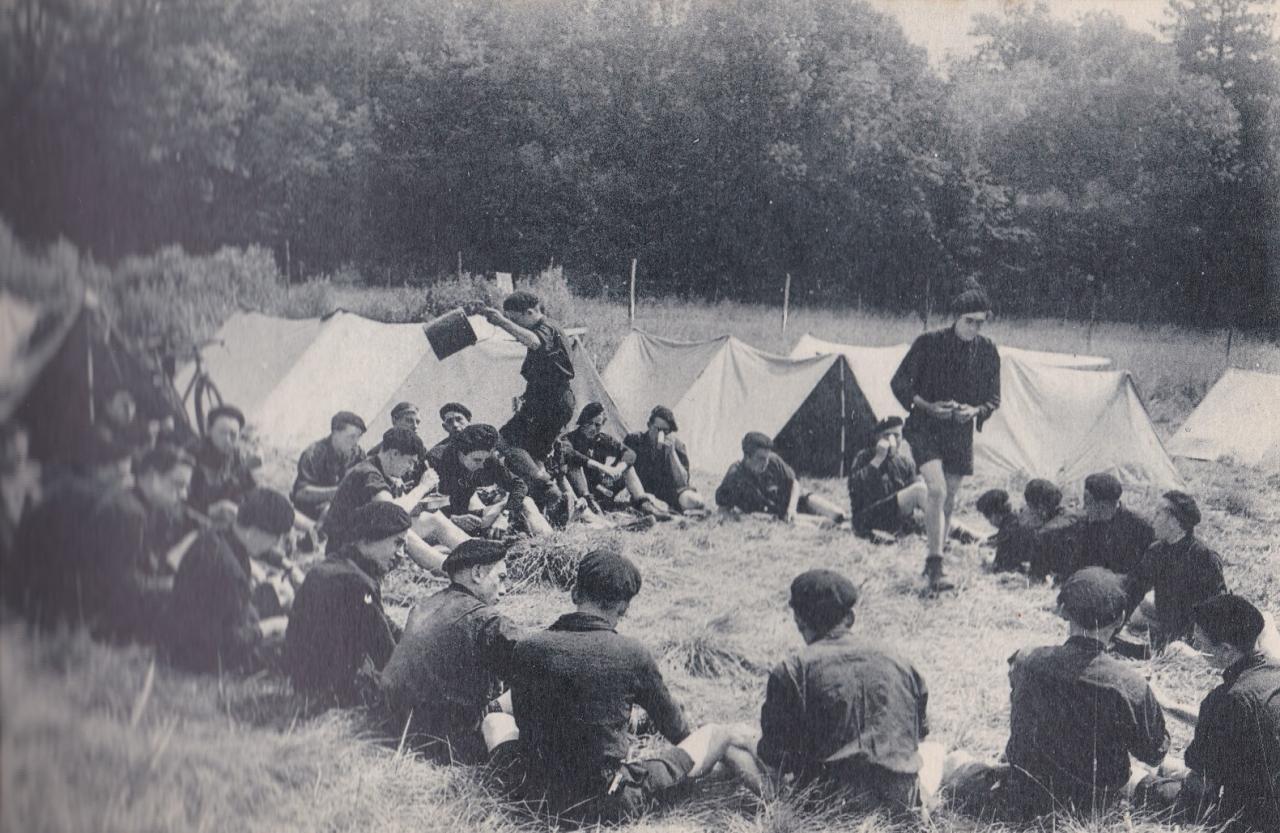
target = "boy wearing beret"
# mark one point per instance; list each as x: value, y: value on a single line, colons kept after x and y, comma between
x: 885, y: 490
x: 337, y: 625
x: 454, y: 416
x: 223, y: 475
x: 1233, y: 763
x: 1109, y: 535
x: 324, y: 462
x: 1179, y: 568
x: 572, y: 689
x: 406, y: 415
x: 843, y: 714
x: 1076, y: 715
x: 213, y: 624
x: 949, y: 381
x: 548, y: 403
x: 454, y: 655
x: 762, y: 482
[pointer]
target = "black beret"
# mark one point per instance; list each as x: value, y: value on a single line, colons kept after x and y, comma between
x: 404, y: 441
x: 993, y: 501
x: 477, y: 436
x: 225, y: 411
x: 379, y: 519
x: 1184, y: 508
x: 342, y: 419
x: 662, y: 412
x: 755, y: 440
x: 474, y: 552
x: 1230, y: 619
x: 589, y: 412
x: 971, y: 300
x: 888, y: 424
x: 822, y: 597
x: 266, y: 510
x: 1093, y: 597
x: 1103, y: 486
x: 455, y: 408
x: 403, y: 408
x: 608, y: 576
x: 1042, y: 494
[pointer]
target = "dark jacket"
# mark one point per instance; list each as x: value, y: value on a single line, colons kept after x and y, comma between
x: 336, y: 625
x: 321, y: 466
x: 1183, y: 574
x: 939, y: 367
x: 840, y: 704
x: 1076, y: 716
x: 653, y: 466
x: 1053, y: 547
x: 1015, y: 541
x: 213, y: 625
x: 870, y: 484
x: 359, y: 486
x: 459, y: 484
x: 217, y: 477
x: 448, y: 666
x: 768, y: 491
x: 1118, y: 544
x: 573, y: 686
x: 1237, y: 742
x: 548, y: 365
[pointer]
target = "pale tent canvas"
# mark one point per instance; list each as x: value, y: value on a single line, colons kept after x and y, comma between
x: 1239, y: 420
x: 1061, y: 417
x: 722, y: 388
x: 290, y: 376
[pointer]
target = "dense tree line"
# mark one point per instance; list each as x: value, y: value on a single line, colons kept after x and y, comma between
x: 1070, y: 165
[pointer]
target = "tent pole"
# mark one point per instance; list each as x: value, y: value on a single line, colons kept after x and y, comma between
x: 786, y: 302
x: 844, y: 419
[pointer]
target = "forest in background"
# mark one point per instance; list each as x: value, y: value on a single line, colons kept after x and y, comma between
x: 1075, y: 167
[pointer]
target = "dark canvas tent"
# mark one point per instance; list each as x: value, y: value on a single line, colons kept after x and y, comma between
x: 58, y: 365
x: 722, y: 388
x: 290, y: 376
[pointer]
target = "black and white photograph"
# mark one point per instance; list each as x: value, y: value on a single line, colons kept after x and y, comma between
x: 661, y: 416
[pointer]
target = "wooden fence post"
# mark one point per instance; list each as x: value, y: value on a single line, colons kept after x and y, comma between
x: 786, y: 302
x: 631, y: 295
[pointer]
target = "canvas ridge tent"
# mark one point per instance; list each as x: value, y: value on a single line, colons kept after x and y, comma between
x: 290, y: 375
x: 58, y: 365
x: 722, y: 388
x: 1061, y: 416
x: 1238, y: 419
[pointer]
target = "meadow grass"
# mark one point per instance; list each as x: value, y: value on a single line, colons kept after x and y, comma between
x: 89, y: 744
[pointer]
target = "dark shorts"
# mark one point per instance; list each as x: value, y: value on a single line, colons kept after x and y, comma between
x: 636, y: 787
x: 883, y: 515
x: 934, y: 439
x: 537, y: 425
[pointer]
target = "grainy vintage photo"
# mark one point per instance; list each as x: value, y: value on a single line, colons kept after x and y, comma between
x: 764, y: 416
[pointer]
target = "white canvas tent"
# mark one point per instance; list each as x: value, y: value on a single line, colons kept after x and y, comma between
x: 721, y: 388
x: 290, y: 376
x: 1060, y: 417
x: 1239, y: 420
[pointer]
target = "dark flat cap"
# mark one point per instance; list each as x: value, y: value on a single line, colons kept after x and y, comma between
x: 1184, y: 508
x: 403, y: 408
x: 342, y: 419
x: 266, y: 510
x: 891, y: 423
x: 455, y: 408
x: 822, y: 597
x: 1230, y: 619
x: 754, y: 440
x: 379, y: 519
x: 608, y: 576
x: 474, y: 552
x: 973, y: 299
x: 589, y: 412
x: 1103, y: 486
x: 663, y: 413
x: 225, y: 411
x: 1093, y: 597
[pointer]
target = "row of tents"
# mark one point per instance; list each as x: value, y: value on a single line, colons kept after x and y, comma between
x: 1062, y: 416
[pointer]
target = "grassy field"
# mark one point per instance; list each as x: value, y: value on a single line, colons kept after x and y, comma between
x: 93, y: 739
